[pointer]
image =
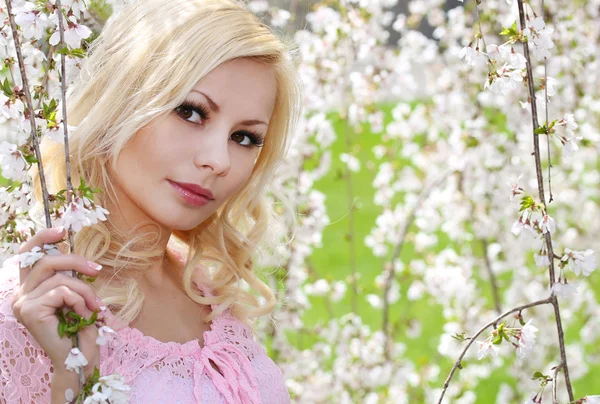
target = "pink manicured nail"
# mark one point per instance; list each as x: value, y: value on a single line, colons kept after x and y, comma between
x: 95, y: 266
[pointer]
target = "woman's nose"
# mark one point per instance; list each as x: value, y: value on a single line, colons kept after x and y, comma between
x: 214, y: 153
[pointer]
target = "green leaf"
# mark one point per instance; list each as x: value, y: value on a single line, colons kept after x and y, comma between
x: 61, y: 329
x: 497, y: 339
x: 460, y: 337
x: 63, y: 51
x: 6, y: 88
x: 537, y: 375
x: 511, y: 31
x: 526, y: 202
x: 30, y: 158
x: 78, y: 53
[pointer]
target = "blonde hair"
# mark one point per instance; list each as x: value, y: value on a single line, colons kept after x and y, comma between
x: 148, y: 57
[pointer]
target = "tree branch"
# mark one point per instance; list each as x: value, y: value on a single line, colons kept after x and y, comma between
x: 29, y: 102
x: 556, y: 370
x: 481, y: 330
x: 540, y: 180
x: 388, y: 274
x: 488, y: 267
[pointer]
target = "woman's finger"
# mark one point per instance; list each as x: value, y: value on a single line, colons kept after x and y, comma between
x: 48, y: 265
x: 76, y: 285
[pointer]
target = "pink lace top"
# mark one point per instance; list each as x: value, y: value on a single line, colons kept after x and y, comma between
x: 157, y: 372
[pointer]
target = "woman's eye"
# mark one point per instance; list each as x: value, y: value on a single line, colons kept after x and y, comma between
x: 241, y: 138
x: 248, y: 139
x: 192, y: 113
x: 189, y: 114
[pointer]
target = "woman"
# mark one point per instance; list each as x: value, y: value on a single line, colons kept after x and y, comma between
x: 182, y: 112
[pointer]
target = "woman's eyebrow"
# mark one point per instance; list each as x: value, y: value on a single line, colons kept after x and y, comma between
x: 215, y: 108
x: 213, y: 105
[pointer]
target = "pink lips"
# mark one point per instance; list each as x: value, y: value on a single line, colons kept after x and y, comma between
x: 192, y: 193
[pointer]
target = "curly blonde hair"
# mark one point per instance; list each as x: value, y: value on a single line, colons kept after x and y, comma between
x: 140, y: 68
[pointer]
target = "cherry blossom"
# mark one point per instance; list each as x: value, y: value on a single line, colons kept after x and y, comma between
x: 580, y: 262
x: 75, y: 361
x: 526, y: 340
x: 487, y: 348
x: 33, y: 22
x: 12, y: 162
x: 564, y: 290
x: 473, y: 57
x: 104, y: 332
x: 109, y: 389
x: 73, y: 35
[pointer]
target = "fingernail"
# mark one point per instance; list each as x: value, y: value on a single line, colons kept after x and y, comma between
x: 95, y: 266
x: 59, y: 229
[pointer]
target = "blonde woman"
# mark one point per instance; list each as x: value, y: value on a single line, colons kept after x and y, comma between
x: 183, y: 111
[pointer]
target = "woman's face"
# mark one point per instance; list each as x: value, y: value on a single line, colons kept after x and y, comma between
x: 211, y: 140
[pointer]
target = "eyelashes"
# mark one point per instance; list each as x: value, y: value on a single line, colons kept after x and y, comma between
x: 187, y: 110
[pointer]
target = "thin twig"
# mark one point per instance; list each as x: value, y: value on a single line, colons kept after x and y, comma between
x: 488, y: 266
x: 478, y: 333
x: 554, y: 383
x: 388, y: 274
x: 63, y: 87
x: 29, y: 102
x: 540, y: 180
x: 351, y: 231
x: 546, y: 105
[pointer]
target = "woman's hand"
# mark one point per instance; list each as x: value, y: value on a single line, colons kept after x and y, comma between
x: 46, y: 287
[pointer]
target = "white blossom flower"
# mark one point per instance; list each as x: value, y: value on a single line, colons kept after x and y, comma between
x: 580, y: 261
x: 338, y: 291
x: 258, y: 6
x: 541, y: 260
x: 12, y: 162
x: 11, y: 109
x: 487, y: 348
x: 591, y: 400
x: 473, y: 57
x: 548, y: 224
x: 516, y: 227
x: 505, y: 81
x: 532, y: 399
x: 374, y: 300
x: 79, y: 213
x: 526, y: 340
x: 540, y: 35
x: 279, y: 17
x: 73, y: 35
x: 76, y: 6
x: 352, y: 162
x: 551, y: 84
x: 27, y: 259
x: 564, y: 290
x: 103, y: 333
x: 517, y: 60
x: 516, y: 188
x: 31, y: 21
x: 319, y: 288
x: 569, y: 122
x: 75, y: 361
x: 109, y: 389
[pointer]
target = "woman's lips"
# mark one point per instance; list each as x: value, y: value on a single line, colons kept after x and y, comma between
x: 189, y: 196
